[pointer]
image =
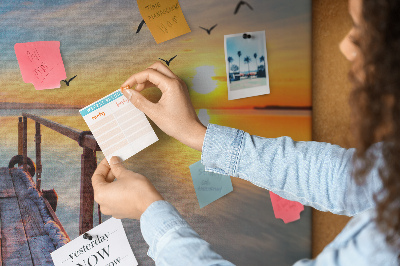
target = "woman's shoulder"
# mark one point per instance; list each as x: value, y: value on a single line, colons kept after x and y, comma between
x: 362, y: 240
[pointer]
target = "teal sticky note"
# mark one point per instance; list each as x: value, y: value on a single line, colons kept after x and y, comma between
x: 209, y: 186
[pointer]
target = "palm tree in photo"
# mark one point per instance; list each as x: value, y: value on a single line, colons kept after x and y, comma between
x: 262, y: 59
x: 255, y: 58
x: 239, y: 54
x: 247, y: 60
x: 230, y: 60
x: 234, y: 68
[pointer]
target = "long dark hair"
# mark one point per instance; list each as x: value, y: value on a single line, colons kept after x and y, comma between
x: 375, y: 101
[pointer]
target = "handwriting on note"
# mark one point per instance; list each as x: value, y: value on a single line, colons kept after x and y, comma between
x: 288, y: 211
x: 209, y: 186
x: 41, y: 64
x: 164, y: 18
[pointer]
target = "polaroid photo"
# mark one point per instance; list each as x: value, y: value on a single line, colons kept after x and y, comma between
x: 246, y: 64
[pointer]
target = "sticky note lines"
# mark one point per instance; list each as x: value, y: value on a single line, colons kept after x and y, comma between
x: 127, y: 125
x: 41, y: 63
x: 209, y: 186
x: 118, y: 126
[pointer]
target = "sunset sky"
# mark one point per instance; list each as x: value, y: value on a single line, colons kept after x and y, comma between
x: 99, y: 44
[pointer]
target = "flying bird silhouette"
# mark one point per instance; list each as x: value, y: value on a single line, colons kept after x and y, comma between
x: 240, y: 4
x: 168, y: 61
x: 67, y: 82
x: 140, y: 26
x: 208, y: 30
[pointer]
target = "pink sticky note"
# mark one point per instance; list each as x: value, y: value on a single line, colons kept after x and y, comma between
x: 284, y: 209
x: 41, y: 64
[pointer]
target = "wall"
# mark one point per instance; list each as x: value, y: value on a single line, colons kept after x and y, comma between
x: 331, y: 89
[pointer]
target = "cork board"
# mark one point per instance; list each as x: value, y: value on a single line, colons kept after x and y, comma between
x: 102, y: 43
x: 331, y: 88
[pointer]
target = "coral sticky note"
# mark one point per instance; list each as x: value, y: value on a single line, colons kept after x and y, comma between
x: 41, y: 64
x: 164, y: 18
x: 288, y: 211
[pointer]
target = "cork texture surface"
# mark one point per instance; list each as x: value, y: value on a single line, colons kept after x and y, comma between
x: 331, y: 89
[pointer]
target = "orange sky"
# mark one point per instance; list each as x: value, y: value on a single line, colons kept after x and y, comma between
x: 103, y: 50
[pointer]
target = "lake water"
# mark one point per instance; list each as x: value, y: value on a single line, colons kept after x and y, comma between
x: 240, y: 226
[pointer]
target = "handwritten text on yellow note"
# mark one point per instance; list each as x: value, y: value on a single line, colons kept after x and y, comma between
x: 164, y: 19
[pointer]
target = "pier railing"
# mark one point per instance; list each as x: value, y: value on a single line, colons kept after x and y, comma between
x: 88, y: 161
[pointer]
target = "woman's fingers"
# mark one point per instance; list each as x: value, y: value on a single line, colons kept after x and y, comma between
x: 159, y: 80
x: 110, y: 177
x: 117, y: 167
x: 141, y: 103
x: 99, y: 179
x: 142, y: 86
x: 173, y: 113
x: 100, y: 174
x: 160, y: 67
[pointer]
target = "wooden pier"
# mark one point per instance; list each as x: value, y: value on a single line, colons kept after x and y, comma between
x: 29, y: 227
x: 88, y: 161
x: 30, y: 230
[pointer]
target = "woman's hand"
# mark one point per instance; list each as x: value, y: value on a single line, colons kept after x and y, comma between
x: 173, y: 113
x: 128, y: 196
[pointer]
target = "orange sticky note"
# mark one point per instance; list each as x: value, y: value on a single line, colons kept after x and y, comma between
x: 288, y: 211
x: 164, y: 18
x: 41, y: 64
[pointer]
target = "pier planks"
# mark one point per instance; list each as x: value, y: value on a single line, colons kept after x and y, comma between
x: 6, y: 185
x: 30, y: 214
x: 14, y: 245
x: 23, y: 238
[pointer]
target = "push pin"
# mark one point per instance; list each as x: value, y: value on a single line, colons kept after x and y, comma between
x: 246, y: 36
x: 127, y: 87
x: 87, y: 236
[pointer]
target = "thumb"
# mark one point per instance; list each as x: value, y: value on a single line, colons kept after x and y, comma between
x: 117, y: 168
x: 100, y: 174
x: 139, y: 101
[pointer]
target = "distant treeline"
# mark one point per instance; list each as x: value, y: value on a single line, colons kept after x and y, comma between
x: 278, y: 107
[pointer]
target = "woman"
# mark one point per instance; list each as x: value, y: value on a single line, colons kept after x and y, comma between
x: 363, y: 182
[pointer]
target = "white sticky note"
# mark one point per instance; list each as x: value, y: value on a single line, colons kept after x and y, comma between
x: 118, y: 126
x: 109, y: 246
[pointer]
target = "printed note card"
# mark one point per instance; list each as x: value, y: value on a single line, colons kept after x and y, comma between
x: 164, y: 18
x: 209, y: 186
x: 108, y: 246
x: 41, y: 64
x: 118, y: 126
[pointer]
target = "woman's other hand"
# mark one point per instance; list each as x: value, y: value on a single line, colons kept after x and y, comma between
x: 173, y: 113
x: 128, y: 196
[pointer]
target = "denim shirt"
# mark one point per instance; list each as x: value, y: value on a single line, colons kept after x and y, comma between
x: 312, y: 173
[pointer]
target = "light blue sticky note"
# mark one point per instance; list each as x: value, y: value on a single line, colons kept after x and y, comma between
x: 209, y: 186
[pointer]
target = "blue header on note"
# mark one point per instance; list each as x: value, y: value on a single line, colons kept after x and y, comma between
x: 100, y: 103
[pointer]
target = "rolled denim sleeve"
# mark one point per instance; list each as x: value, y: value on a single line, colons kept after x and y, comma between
x: 316, y: 174
x: 172, y: 241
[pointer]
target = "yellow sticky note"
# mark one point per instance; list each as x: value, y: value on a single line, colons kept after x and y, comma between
x: 164, y: 18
